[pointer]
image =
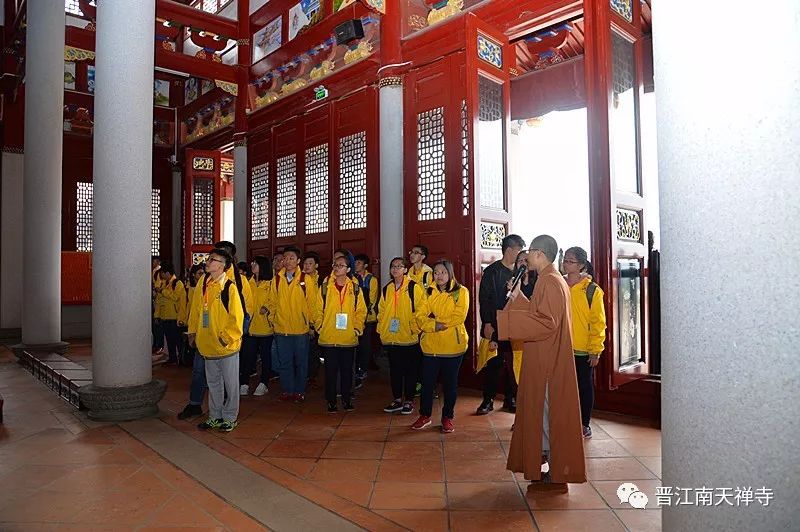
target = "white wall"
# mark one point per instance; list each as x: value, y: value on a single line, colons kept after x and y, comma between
x: 549, y: 173
x: 11, y: 242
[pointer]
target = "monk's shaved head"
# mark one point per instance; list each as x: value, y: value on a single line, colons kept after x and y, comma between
x: 547, y: 245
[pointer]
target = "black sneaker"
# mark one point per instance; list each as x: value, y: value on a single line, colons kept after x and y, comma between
x: 587, y: 432
x: 395, y: 406
x: 227, y: 426
x: 190, y: 411
x: 510, y: 405
x: 408, y: 408
x: 210, y: 424
x: 332, y: 408
x: 486, y: 406
x: 348, y: 406
x: 359, y: 383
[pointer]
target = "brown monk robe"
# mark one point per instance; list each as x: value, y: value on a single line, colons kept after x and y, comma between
x: 544, y: 323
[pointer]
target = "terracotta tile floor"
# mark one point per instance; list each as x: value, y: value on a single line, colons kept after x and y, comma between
x: 365, y: 466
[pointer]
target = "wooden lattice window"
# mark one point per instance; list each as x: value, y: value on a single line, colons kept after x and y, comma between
x: 203, y: 211
x: 83, y: 216
x: 73, y: 8
x: 353, y: 181
x: 317, y: 189
x: 489, y: 147
x: 430, y: 165
x: 286, y: 196
x: 464, y: 159
x: 155, y: 222
x: 259, y: 203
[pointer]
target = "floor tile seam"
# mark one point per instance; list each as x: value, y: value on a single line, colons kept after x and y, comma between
x: 217, y: 494
x: 277, y: 482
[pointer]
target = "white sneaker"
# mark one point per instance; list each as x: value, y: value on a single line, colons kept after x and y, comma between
x: 244, y: 389
x: 261, y: 389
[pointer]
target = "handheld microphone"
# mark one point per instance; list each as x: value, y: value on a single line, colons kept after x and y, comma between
x: 517, y: 278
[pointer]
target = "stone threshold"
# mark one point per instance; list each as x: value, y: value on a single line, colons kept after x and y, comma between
x: 58, y: 373
x: 267, y: 502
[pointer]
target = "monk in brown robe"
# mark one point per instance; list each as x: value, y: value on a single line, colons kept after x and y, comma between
x: 544, y: 324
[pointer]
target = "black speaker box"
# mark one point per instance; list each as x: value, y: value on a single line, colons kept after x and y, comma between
x: 349, y: 31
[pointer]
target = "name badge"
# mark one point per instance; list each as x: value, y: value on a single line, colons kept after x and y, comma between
x: 341, y: 321
x: 205, y: 319
x: 394, y: 325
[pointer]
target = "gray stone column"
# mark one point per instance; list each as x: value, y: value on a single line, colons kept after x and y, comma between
x: 729, y: 169
x: 177, y: 215
x: 390, y: 114
x: 41, y: 209
x: 123, y: 151
x: 240, y: 210
x: 11, y: 243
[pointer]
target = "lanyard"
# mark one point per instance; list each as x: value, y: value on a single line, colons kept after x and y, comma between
x: 342, y: 295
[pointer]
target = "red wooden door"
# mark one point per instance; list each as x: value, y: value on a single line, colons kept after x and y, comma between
x: 202, y: 195
x: 614, y: 74
x: 487, y: 113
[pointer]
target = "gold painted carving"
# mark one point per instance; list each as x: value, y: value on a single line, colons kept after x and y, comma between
x: 453, y: 7
x: 364, y: 49
x: 322, y: 70
x: 293, y: 86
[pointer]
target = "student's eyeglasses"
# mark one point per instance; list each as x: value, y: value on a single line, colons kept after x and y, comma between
x: 414, y: 252
x: 216, y: 260
x: 397, y: 267
x: 339, y: 266
x: 565, y: 261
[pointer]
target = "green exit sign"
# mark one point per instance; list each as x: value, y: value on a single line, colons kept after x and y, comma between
x: 320, y: 93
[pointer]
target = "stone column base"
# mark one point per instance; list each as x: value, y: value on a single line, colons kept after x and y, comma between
x: 57, y: 347
x: 123, y: 404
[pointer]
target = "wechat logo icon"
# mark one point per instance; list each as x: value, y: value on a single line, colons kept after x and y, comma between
x: 629, y: 493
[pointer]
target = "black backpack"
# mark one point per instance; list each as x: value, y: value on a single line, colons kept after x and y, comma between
x: 224, y: 296
x: 590, y: 289
x: 365, y: 290
x: 411, y: 285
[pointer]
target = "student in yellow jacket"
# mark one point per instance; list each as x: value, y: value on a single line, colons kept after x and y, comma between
x: 401, y: 306
x: 339, y: 318
x: 295, y: 297
x: 217, y: 328
x: 419, y: 272
x: 444, y: 342
x: 259, y: 342
x: 370, y: 290
x: 588, y: 326
x: 198, y: 387
x: 170, y: 306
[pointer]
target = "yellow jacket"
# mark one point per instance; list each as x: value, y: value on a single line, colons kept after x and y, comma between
x: 294, y: 303
x: 373, y: 288
x: 449, y: 308
x: 223, y: 334
x: 189, y: 296
x: 408, y: 321
x: 171, y: 302
x: 348, y: 302
x: 424, y: 277
x: 588, y: 324
x: 260, y: 324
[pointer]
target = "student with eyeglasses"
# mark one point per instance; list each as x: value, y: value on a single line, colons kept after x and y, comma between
x: 419, y: 272
x: 339, y: 318
x: 401, y: 306
x: 216, y: 328
x: 588, y: 326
